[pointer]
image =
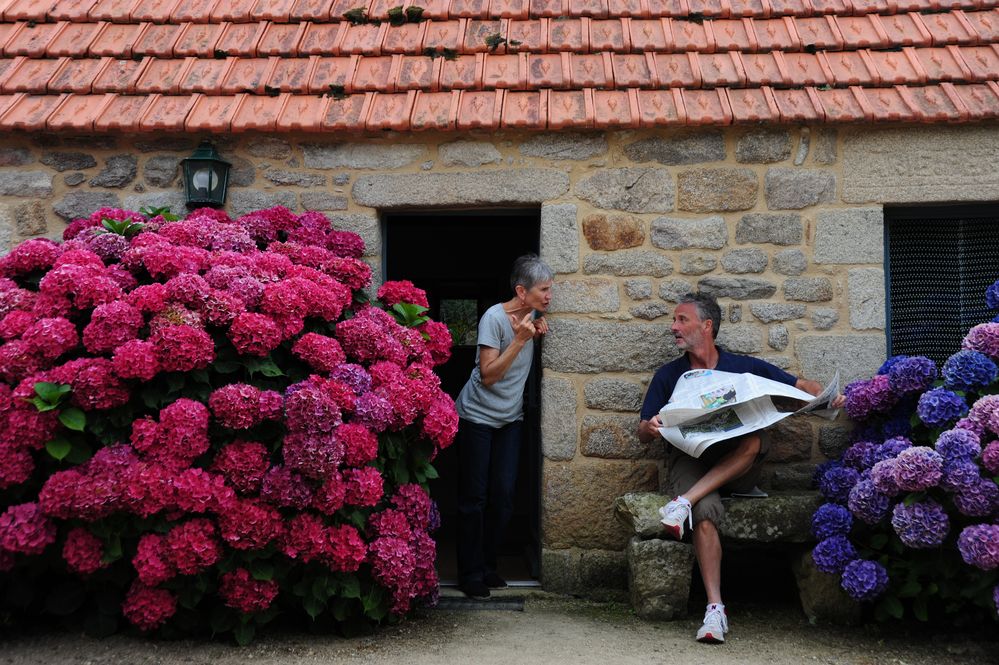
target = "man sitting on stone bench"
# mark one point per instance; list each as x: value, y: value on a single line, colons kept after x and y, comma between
x: 732, y: 465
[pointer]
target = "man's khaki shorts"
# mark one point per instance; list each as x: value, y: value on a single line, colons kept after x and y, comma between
x: 685, y: 470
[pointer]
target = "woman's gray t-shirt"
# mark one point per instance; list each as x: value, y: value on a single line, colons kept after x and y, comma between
x: 503, y: 402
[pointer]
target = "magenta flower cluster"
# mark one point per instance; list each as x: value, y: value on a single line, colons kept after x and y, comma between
x: 234, y: 391
x: 931, y: 485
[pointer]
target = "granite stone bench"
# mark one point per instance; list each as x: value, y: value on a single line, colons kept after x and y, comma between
x: 660, y: 570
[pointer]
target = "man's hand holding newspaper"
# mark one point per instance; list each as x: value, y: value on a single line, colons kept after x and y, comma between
x: 709, y: 406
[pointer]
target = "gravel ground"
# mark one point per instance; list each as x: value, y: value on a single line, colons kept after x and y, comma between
x: 550, y: 629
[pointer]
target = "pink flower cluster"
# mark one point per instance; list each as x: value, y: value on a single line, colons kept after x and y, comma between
x: 168, y: 340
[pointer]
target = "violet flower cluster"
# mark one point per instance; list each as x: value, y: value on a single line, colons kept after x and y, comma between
x: 257, y: 465
x: 930, y: 483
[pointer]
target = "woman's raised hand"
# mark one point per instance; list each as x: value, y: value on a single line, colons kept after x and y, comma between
x: 523, y: 328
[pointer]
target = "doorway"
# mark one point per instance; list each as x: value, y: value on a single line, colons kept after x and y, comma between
x: 462, y: 259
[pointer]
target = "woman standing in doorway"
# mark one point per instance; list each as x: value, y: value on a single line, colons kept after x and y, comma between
x: 491, y: 411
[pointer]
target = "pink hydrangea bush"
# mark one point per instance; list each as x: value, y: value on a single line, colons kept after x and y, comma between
x: 911, y: 519
x: 208, y: 418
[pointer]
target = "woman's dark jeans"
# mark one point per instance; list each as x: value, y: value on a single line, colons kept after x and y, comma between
x: 487, y: 463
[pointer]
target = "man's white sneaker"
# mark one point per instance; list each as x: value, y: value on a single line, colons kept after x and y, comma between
x: 674, y: 515
x: 715, y: 625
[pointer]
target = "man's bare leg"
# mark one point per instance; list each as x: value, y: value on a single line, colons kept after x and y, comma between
x: 731, y: 466
x: 708, y: 550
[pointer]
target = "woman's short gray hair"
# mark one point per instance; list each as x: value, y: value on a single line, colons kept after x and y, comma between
x: 529, y: 270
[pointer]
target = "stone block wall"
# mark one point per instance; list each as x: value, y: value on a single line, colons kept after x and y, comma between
x: 784, y: 225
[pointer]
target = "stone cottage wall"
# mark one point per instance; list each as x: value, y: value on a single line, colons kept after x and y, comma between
x: 784, y: 225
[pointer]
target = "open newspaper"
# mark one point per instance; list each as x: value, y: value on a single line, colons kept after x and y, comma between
x: 709, y: 406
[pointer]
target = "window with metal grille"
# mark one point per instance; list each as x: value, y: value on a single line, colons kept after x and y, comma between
x: 940, y: 261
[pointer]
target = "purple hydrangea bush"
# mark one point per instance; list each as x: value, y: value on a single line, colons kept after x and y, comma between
x: 207, y: 422
x: 911, y: 519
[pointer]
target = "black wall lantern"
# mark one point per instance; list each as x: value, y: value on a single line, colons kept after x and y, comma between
x: 206, y: 177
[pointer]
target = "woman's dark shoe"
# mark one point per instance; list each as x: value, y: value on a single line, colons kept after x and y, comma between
x: 494, y: 581
x: 476, y: 589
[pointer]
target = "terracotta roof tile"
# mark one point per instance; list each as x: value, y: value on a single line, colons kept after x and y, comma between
x: 660, y: 107
x: 198, y: 39
x: 347, y: 113
x: 374, y: 74
x: 747, y: 8
x: 505, y: 71
x: 678, y: 70
x: 932, y: 104
x: 435, y: 110
x: 692, y: 36
x: 777, y: 34
x: 310, y: 10
x: 435, y: 9
x: 888, y: 104
x: 290, y: 74
x: 611, y: 35
x: 480, y: 109
x: 549, y: 8
x: 753, y: 105
x: 322, y: 38
x: 982, y: 61
x: 163, y: 76
x: 616, y: 108
x: 897, y: 68
x: 196, y: 11
x: 247, y: 75
x: 947, y: 28
x: 570, y: 109
x: 32, y: 39
x: 206, y: 76
x: 906, y: 30
x: 119, y: 75
x: 479, y: 33
x: 467, y: 8
x: 852, y: 68
x: 798, y: 105
x: 551, y: 70
x: 419, y: 73
x: 113, y: 10
x: 982, y: 101
x: 525, y: 109
x: 77, y: 75
x: 157, y: 40
x: 844, y: 105
x: 256, y: 113
x: 8, y: 65
x: 516, y: 9
x: 70, y: 10
x: 721, y: 70
x: 123, y: 113
x: 390, y: 111
x: 30, y: 75
x: 820, y: 32
x: 73, y: 40
x: 406, y: 38
x: 281, y: 39
x: 465, y: 71
x: 650, y: 35
x: 332, y: 73
x: 633, y: 70
x: 77, y: 113
x: 764, y: 69
x: 240, y: 39
x: 667, y: 8
x: 116, y: 39
x: 441, y: 35
x: 212, y: 114
x: 272, y: 10
x: 734, y: 34
x: 26, y: 10
x: 302, y: 114
x: 237, y: 11
x: 166, y: 113
x: 861, y: 32
x: 791, y: 7
x: 7, y: 31
x: 707, y: 107
x: 986, y: 24
x: 590, y: 8
x: 30, y: 112
x: 571, y: 34
x: 708, y: 8
x: 944, y: 64
x: 529, y: 35
x: 156, y: 11
x: 805, y: 69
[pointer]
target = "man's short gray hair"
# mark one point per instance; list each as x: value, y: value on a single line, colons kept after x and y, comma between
x: 707, y: 309
x: 529, y: 270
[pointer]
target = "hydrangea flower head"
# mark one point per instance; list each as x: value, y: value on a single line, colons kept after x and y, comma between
x: 864, y: 580
x: 912, y: 375
x: 831, y: 520
x: 969, y: 370
x: 833, y: 554
x: 918, y: 468
x: 939, y: 407
x: 983, y: 338
x: 921, y: 525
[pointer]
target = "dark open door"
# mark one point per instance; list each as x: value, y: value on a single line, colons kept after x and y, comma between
x: 462, y: 259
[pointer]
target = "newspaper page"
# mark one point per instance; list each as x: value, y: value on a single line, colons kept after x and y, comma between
x: 709, y: 406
